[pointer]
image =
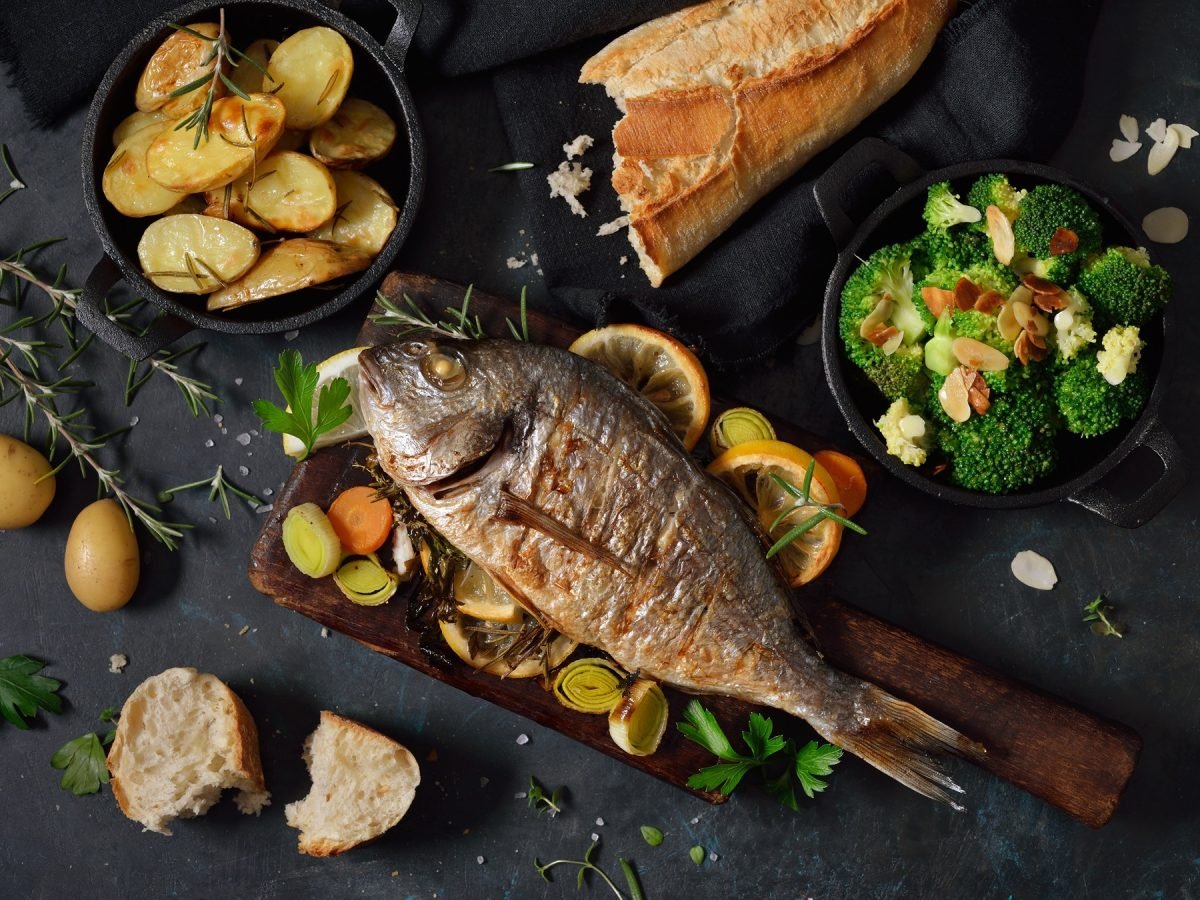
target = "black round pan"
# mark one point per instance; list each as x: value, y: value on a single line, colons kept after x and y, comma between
x: 1083, y: 463
x: 378, y: 77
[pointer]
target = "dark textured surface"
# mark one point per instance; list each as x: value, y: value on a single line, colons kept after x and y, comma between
x: 938, y: 571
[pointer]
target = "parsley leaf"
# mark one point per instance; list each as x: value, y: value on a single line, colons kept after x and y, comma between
x: 298, y: 383
x: 23, y: 691
x: 651, y: 835
x: 701, y: 726
x: 759, y: 738
x: 84, y: 763
x: 815, y: 759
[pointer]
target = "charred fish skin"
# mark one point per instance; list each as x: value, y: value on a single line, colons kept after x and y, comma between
x: 573, y: 493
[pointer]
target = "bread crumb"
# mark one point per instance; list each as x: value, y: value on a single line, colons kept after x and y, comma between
x: 645, y: 168
x: 579, y: 146
x: 612, y: 227
x: 568, y: 181
x: 244, y: 629
x: 513, y: 263
x: 623, y: 260
x: 117, y: 662
x: 324, y: 632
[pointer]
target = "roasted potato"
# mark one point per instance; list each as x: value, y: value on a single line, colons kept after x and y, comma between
x: 195, y: 254
x: 246, y: 75
x: 136, y: 121
x: 179, y: 60
x: 126, y: 182
x: 310, y: 72
x: 365, y: 215
x: 240, y: 135
x: 359, y: 132
x: 290, y: 192
x: 290, y: 266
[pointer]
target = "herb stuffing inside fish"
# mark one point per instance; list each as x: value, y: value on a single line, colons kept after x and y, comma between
x: 572, y: 492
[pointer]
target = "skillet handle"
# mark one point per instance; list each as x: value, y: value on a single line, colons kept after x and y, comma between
x: 1136, y: 512
x: 408, y: 15
x: 89, y: 309
x: 830, y: 189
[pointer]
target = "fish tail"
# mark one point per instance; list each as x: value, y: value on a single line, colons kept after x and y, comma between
x: 901, y: 741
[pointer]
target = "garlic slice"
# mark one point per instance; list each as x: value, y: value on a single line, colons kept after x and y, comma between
x: 1168, y: 225
x: 1122, y: 150
x: 1034, y: 570
x: 1129, y: 128
x: 1161, y: 153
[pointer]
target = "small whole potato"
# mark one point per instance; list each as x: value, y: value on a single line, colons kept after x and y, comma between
x: 102, y: 557
x: 26, y: 485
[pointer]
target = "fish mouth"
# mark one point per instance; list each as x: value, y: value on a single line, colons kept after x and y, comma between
x: 369, y: 375
x: 471, y: 472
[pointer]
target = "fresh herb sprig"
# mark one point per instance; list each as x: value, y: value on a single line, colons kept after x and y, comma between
x: 23, y: 691
x: 196, y: 393
x: 84, y: 760
x: 512, y: 167
x: 541, y: 801
x: 585, y: 866
x: 805, y: 765
x: 458, y: 323
x: 219, y: 489
x: 1097, y: 613
x: 298, y: 383
x: 803, y: 497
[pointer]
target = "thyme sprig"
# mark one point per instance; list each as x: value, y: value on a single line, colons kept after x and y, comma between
x: 541, y: 801
x: 458, y: 323
x: 1097, y: 614
x: 585, y: 865
x: 802, y: 496
x: 219, y: 489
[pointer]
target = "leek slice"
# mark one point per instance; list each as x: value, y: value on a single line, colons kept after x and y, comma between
x: 365, y: 582
x: 590, y: 685
x: 310, y: 541
x: 738, y: 426
x: 639, y: 720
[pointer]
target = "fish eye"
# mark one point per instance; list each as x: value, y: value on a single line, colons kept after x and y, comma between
x: 444, y: 371
x: 415, y: 349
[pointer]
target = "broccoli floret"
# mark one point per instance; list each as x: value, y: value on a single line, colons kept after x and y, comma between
x: 988, y: 275
x: 909, y: 436
x: 939, y: 352
x: 956, y: 249
x: 995, y: 190
x: 1073, y: 329
x: 1126, y: 289
x: 1121, y: 354
x: 1046, y: 209
x: 943, y: 209
x: 1089, y: 404
x: 1012, y: 445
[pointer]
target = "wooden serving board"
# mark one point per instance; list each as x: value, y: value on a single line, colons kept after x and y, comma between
x: 1070, y: 758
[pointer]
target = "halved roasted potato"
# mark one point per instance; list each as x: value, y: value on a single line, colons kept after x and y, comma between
x: 359, y: 132
x: 136, y: 121
x: 240, y: 135
x: 127, y: 184
x: 194, y: 254
x: 289, y: 266
x: 246, y: 75
x: 310, y: 72
x: 289, y: 192
x: 365, y: 215
x: 180, y: 59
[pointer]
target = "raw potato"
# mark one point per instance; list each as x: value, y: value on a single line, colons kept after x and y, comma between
x: 291, y: 265
x: 180, y: 60
x: 359, y: 132
x: 127, y: 184
x: 291, y: 192
x: 246, y: 76
x: 366, y: 214
x: 26, y: 483
x: 136, y: 121
x: 102, y: 557
x: 195, y: 254
x: 240, y: 134
x: 310, y: 72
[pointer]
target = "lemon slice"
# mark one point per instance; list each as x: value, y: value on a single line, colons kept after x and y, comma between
x: 340, y: 365
x: 487, y: 657
x: 477, y: 595
x: 659, y: 368
x: 747, y: 468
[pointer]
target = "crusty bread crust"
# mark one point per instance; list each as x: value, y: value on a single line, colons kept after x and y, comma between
x: 726, y: 99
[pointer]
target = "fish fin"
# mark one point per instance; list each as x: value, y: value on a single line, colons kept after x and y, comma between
x: 900, y: 740
x: 522, y: 512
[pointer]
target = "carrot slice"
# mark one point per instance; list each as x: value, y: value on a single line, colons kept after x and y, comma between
x: 361, y: 521
x: 848, y: 475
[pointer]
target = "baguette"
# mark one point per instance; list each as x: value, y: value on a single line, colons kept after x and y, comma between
x: 726, y: 99
x: 363, y: 784
x: 182, y: 738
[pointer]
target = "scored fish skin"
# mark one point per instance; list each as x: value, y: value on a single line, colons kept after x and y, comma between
x: 571, y: 491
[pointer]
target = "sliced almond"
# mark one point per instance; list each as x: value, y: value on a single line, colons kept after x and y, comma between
x: 953, y: 396
x: 881, y: 334
x: 1006, y: 323
x: 978, y: 355
x: 939, y: 468
x: 966, y: 292
x: 1157, y: 130
x: 937, y: 299
x: 1029, y: 347
x: 989, y: 301
x: 999, y: 229
x: 892, y: 344
x: 1052, y: 302
x: 1168, y: 225
x: 1030, y: 320
x: 1063, y: 241
x: 1162, y: 152
x: 1038, y: 285
x: 979, y: 394
x: 1123, y: 150
x: 1021, y: 294
x: 1129, y: 128
x: 876, y: 317
x: 1186, y: 133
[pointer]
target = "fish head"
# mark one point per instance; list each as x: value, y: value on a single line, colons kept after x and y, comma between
x: 438, y: 407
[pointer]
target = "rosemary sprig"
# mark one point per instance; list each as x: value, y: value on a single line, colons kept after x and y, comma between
x: 196, y: 393
x: 512, y: 167
x: 585, y: 865
x: 219, y: 489
x: 411, y: 318
x: 1097, y: 613
x: 804, y: 501
x: 521, y: 334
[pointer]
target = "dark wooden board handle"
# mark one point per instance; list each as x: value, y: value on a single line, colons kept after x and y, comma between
x: 1072, y: 759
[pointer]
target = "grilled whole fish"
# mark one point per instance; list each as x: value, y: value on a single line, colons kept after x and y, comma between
x: 572, y: 492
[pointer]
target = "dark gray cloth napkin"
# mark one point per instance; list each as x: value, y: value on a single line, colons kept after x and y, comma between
x: 1004, y: 80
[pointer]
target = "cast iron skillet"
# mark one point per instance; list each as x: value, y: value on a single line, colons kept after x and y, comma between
x: 378, y: 77
x: 1083, y: 463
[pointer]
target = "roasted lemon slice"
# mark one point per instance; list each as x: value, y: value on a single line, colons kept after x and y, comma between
x: 747, y: 468
x: 493, y: 640
x: 477, y: 595
x: 659, y: 368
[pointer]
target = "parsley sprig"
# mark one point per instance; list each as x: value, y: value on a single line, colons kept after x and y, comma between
x: 805, y: 765
x: 298, y: 383
x: 23, y: 692
x: 84, y: 760
x: 804, y: 500
x: 1097, y: 613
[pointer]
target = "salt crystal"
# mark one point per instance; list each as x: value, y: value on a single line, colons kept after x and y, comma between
x: 599, y: 822
x: 16, y: 184
x: 117, y: 662
x: 713, y: 857
x: 208, y: 443
x: 265, y: 508
x: 218, y: 418
x: 695, y: 821
x: 243, y: 470
x: 623, y: 260
x: 1129, y: 128
x: 595, y: 837
x: 291, y: 335
x: 212, y: 520
x: 134, y: 421
x: 1034, y: 570
x: 243, y: 439
x: 238, y: 382
x: 520, y: 795
x: 1168, y: 225
x: 480, y: 860
x: 267, y: 492
x: 522, y: 739
x: 324, y: 632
